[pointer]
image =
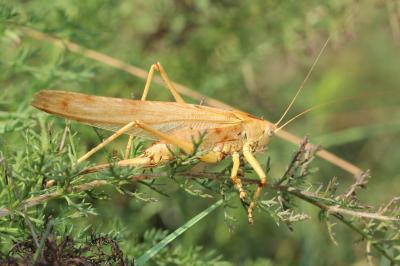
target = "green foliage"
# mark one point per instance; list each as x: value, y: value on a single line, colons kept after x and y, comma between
x: 178, y: 255
x: 251, y: 55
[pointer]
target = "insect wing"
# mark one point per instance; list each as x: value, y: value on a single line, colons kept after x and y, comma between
x: 113, y: 113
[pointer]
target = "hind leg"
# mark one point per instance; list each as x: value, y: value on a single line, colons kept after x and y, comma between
x: 170, y: 86
x: 168, y: 83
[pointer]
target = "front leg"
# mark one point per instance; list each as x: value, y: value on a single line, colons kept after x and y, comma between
x: 248, y: 155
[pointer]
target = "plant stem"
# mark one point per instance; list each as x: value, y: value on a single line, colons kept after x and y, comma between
x: 42, y: 242
x: 348, y: 223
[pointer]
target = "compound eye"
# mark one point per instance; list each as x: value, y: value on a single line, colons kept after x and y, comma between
x: 270, y: 132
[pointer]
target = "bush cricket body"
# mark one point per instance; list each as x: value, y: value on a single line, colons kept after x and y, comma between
x: 176, y: 124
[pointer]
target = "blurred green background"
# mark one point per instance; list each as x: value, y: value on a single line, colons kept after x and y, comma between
x: 252, y: 55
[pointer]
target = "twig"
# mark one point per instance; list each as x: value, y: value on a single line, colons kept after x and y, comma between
x: 361, y: 182
x: 307, y: 196
x: 296, y: 158
x: 365, y: 236
x: 64, y: 136
x: 42, y: 242
x: 369, y: 257
x: 387, y: 206
x: 393, y: 20
x: 336, y: 212
x: 30, y: 225
x: 326, y: 155
x: 56, y: 194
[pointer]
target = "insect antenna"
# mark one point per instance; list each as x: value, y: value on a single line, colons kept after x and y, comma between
x: 304, y: 81
x: 364, y: 96
x: 303, y: 113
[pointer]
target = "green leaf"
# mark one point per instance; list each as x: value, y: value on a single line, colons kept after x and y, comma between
x: 171, y: 237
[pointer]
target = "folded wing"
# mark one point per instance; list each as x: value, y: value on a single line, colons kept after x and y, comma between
x: 113, y: 113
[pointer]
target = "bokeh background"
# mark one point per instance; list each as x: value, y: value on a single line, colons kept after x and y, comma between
x: 252, y: 55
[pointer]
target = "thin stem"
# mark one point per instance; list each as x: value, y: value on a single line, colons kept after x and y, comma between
x: 335, y: 213
x: 301, y: 194
x: 42, y: 242
x: 305, y: 196
x: 366, y: 236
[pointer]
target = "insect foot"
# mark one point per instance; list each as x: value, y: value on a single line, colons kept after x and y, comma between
x: 242, y: 194
x: 238, y: 185
x: 250, y: 218
x: 257, y: 193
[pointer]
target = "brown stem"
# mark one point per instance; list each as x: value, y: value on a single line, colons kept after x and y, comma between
x: 56, y: 194
x: 307, y: 196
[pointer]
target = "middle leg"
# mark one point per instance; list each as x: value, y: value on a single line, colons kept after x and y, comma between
x: 235, y: 180
x: 187, y: 147
x: 117, y: 134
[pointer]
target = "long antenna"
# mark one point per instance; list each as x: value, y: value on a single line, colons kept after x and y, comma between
x: 365, y: 95
x: 303, y: 113
x: 304, y: 81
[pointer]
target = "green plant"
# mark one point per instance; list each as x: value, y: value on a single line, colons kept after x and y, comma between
x: 116, y: 216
